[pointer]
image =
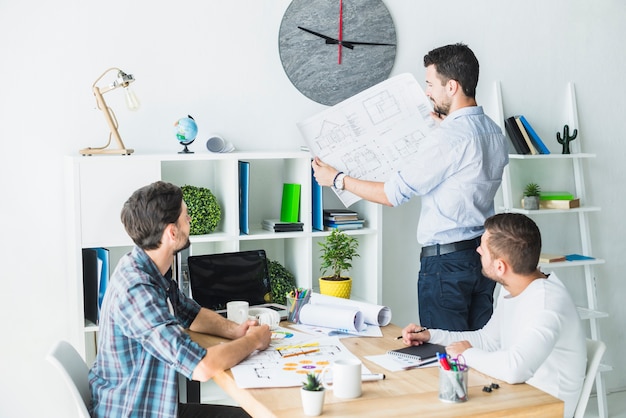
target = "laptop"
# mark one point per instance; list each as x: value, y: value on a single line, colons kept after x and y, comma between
x: 216, y: 279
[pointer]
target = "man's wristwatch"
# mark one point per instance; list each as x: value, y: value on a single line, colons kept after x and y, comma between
x: 338, y: 181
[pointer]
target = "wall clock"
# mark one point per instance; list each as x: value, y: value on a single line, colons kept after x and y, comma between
x: 334, y: 49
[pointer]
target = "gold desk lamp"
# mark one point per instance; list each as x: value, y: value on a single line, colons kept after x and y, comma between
x: 122, y: 80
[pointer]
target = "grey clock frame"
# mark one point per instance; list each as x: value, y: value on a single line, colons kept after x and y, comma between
x: 312, y: 65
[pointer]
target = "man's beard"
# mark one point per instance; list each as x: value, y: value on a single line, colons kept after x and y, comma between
x: 441, y: 109
x: 184, y: 247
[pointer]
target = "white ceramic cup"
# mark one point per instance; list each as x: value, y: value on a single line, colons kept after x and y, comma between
x: 237, y: 311
x: 346, y: 378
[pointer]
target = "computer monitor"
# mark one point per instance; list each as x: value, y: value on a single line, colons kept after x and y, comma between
x: 217, y: 279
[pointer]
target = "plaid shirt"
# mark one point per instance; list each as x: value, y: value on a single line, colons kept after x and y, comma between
x: 142, y: 345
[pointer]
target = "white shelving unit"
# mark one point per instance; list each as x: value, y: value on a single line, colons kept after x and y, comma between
x: 562, y: 172
x: 97, y: 187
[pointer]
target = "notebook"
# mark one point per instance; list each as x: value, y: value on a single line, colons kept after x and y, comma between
x: 216, y: 279
x: 419, y: 354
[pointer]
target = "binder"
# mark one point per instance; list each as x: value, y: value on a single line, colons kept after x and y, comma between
x: 317, y: 204
x: 102, y: 255
x: 90, y: 284
x: 244, y: 197
x: 290, y: 208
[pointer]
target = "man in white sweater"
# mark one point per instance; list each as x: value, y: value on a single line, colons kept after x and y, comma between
x: 535, y: 334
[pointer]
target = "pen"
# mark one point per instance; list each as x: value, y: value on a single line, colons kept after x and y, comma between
x: 369, y: 377
x: 414, y: 332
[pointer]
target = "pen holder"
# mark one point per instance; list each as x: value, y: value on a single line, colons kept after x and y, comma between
x: 293, y: 308
x: 453, y: 385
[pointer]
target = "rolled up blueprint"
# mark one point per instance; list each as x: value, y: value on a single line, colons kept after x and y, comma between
x: 372, y: 314
x: 339, y: 317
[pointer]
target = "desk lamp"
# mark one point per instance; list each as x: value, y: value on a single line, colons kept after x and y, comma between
x: 122, y: 80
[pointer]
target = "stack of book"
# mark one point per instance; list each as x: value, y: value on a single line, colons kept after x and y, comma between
x: 341, y: 219
x: 276, y: 225
x: 523, y: 137
x: 558, y: 200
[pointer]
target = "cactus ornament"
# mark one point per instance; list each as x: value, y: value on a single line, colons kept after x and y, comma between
x: 566, y: 138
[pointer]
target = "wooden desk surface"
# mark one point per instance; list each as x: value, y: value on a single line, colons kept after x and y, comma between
x: 405, y: 393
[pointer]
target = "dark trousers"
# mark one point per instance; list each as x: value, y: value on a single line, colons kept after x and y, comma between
x: 199, y: 410
x: 452, y: 292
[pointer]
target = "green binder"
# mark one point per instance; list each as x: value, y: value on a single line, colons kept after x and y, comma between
x: 290, y: 208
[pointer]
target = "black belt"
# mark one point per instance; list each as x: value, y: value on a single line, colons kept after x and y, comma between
x: 441, y: 249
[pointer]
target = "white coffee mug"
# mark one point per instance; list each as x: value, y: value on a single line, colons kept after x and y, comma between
x: 237, y: 311
x: 346, y: 378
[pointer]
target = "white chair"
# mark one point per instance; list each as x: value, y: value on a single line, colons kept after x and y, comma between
x: 595, y: 351
x: 75, y: 372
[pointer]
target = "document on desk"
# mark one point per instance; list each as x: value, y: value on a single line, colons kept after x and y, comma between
x: 286, y: 365
x: 372, y: 134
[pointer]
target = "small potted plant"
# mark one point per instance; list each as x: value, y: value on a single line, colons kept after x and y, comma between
x: 338, y: 250
x: 312, y: 394
x: 531, y: 196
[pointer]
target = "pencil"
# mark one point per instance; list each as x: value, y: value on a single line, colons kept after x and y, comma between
x: 302, y: 352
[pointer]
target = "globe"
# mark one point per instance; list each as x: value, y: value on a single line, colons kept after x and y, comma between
x: 186, y: 131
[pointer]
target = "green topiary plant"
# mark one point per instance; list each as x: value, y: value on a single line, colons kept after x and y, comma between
x: 312, y: 383
x: 203, y: 209
x: 282, y: 281
x: 338, y: 250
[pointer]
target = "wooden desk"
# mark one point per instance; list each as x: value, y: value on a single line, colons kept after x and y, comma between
x: 405, y: 393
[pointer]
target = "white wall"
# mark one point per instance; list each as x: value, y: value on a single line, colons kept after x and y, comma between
x: 218, y: 61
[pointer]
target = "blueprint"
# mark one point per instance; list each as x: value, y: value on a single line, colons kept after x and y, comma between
x: 287, y: 364
x: 370, y: 135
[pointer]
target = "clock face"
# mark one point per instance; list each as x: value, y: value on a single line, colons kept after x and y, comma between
x: 334, y: 49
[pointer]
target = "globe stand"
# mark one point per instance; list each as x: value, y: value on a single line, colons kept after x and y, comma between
x: 186, y: 150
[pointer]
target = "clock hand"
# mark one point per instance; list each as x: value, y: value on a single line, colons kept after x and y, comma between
x: 350, y: 44
x: 340, y: 30
x: 328, y: 39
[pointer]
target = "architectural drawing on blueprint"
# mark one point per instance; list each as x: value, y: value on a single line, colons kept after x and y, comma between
x: 285, y: 368
x: 370, y: 135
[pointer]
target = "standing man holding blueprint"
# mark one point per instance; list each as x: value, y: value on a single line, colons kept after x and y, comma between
x: 456, y: 169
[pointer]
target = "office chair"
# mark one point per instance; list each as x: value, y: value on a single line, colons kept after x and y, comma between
x: 75, y: 372
x: 595, y: 351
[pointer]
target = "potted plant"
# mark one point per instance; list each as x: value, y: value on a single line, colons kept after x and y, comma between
x: 203, y: 209
x: 282, y: 281
x: 531, y: 196
x: 312, y: 394
x: 338, y: 250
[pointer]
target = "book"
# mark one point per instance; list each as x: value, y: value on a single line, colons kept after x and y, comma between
x: 421, y: 354
x: 555, y: 196
x: 277, y: 226
x: 244, y: 193
x: 559, y: 204
x: 541, y: 147
x: 578, y: 257
x: 531, y: 146
x: 339, y: 218
x: 516, y: 136
x: 317, y: 204
x: 551, y: 258
x: 343, y: 227
x: 339, y: 212
x: 329, y: 222
x: 290, y: 207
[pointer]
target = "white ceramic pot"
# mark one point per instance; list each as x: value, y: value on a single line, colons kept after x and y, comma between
x: 312, y: 401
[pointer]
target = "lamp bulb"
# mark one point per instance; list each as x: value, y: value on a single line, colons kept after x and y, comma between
x: 132, y: 102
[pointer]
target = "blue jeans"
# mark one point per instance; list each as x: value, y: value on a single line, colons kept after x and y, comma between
x: 452, y: 292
